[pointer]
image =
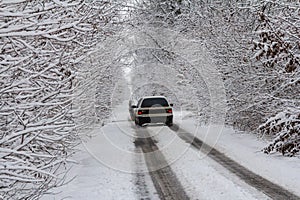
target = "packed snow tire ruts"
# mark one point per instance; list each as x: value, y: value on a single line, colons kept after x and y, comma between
x: 267, y: 187
x: 164, y: 179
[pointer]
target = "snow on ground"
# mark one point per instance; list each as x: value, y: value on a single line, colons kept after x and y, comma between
x: 108, y: 163
x: 201, y: 177
x: 96, y: 178
x: 94, y: 181
x: 245, y: 148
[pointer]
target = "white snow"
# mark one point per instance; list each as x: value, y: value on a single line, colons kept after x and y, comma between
x: 108, y: 163
x: 246, y: 150
x: 201, y: 177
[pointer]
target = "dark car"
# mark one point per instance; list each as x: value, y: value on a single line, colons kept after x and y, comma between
x: 152, y: 109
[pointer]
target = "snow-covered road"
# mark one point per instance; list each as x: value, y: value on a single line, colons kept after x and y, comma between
x: 113, y: 164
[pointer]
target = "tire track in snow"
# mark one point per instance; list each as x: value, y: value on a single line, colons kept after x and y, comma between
x: 140, y: 181
x: 267, y: 187
x: 165, y: 182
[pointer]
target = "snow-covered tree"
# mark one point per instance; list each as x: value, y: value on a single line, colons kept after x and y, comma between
x: 276, y: 48
x: 286, y: 126
x: 42, y: 45
x: 255, y: 46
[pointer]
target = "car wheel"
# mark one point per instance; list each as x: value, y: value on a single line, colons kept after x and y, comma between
x: 141, y: 123
x: 169, y: 123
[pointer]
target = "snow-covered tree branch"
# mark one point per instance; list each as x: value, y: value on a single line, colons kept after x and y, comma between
x: 255, y: 46
x: 42, y: 45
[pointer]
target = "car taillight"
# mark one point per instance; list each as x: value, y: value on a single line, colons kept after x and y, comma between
x: 140, y: 112
x: 169, y: 110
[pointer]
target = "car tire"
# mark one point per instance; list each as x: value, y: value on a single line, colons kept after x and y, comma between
x: 141, y: 122
x: 169, y: 123
x: 138, y: 123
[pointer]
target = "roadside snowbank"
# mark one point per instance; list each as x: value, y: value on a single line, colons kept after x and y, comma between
x: 245, y: 149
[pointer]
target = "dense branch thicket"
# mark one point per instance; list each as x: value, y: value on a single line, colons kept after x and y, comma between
x: 46, y: 92
x: 276, y: 47
x: 255, y: 46
x: 286, y: 125
x: 98, y: 77
x: 42, y: 43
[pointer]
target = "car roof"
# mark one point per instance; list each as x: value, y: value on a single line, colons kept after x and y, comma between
x: 153, y: 97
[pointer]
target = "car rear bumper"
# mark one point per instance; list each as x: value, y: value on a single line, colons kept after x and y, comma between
x: 155, y: 119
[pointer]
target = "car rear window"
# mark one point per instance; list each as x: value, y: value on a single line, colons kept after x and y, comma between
x: 154, y: 102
